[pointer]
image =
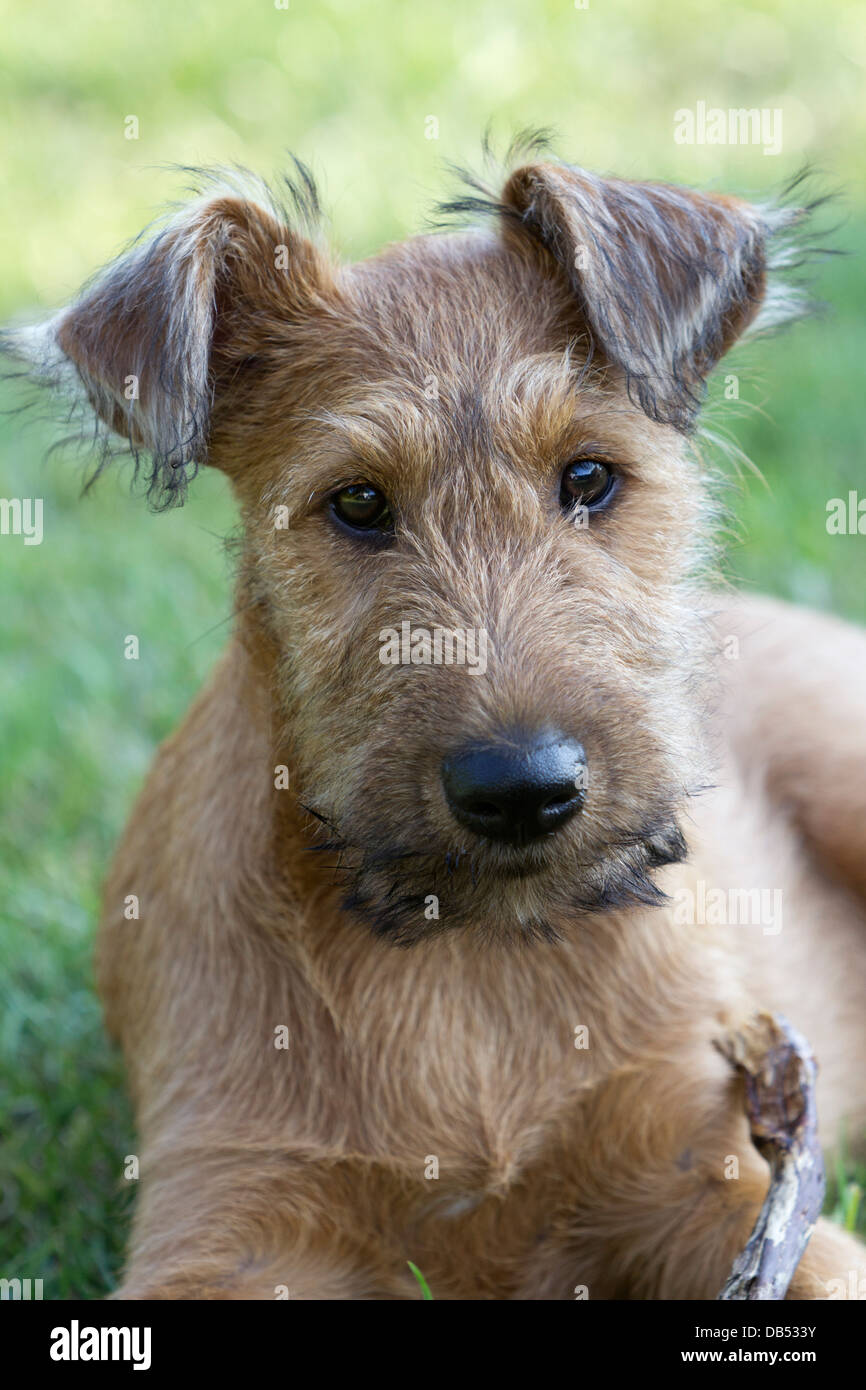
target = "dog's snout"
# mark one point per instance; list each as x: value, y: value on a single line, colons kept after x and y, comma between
x: 518, y: 790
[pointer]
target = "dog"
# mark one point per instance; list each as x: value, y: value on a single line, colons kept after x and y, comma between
x: 419, y: 956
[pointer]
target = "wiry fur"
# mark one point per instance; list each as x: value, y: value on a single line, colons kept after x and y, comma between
x: 606, y: 1166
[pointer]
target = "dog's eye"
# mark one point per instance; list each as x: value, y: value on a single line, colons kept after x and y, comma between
x: 363, y: 508
x: 585, y: 483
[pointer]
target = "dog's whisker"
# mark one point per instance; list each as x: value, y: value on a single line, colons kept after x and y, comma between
x: 311, y: 811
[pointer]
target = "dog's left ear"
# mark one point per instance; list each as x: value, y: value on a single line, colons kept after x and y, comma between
x: 667, y: 278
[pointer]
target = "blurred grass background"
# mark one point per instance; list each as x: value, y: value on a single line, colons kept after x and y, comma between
x: 349, y: 87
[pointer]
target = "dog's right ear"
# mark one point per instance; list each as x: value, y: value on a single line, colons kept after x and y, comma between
x: 148, y: 342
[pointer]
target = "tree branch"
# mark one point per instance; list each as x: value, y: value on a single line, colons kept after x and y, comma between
x: 779, y: 1071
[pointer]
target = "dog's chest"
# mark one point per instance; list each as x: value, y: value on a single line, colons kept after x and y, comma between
x: 475, y: 1081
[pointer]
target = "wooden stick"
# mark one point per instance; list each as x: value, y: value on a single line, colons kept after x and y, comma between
x: 779, y: 1071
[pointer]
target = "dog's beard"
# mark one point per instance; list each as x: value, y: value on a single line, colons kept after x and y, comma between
x: 405, y: 895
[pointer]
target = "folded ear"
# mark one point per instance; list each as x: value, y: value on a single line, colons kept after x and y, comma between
x: 667, y: 278
x: 149, y: 341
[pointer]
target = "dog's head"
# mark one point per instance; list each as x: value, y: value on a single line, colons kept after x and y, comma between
x: 471, y: 516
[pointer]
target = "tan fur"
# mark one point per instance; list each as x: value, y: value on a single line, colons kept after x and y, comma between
x: 558, y: 1167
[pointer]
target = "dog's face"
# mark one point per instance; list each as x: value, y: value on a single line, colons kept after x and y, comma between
x: 463, y: 471
x: 471, y: 521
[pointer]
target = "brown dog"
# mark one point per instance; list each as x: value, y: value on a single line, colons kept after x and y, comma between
x: 475, y: 446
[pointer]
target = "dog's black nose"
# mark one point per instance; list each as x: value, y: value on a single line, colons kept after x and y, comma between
x: 518, y: 790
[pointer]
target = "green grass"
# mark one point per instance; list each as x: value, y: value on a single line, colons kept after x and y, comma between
x: 426, y: 1295
x: 351, y: 87
x: 80, y: 727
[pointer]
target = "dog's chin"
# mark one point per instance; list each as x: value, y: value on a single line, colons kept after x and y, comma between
x: 507, y: 894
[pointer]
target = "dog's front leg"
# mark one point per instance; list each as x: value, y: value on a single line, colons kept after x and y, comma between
x: 671, y: 1189
x: 305, y: 1274
x: 833, y: 1264
x: 216, y: 1230
x: 696, y: 1252
x: 776, y: 1069
x: 224, y: 1272
x: 833, y: 1267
